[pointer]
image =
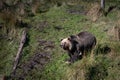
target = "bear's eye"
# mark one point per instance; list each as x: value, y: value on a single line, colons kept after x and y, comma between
x: 65, y: 43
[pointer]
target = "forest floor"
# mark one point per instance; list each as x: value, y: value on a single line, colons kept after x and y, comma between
x: 43, y: 59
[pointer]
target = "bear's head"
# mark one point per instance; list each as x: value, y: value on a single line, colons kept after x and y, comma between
x: 67, y: 43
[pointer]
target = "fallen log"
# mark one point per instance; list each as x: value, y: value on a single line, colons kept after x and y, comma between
x: 19, y: 53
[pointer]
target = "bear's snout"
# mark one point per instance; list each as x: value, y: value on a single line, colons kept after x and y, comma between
x: 63, y: 46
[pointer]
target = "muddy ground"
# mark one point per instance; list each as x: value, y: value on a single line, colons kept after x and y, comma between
x: 36, y: 62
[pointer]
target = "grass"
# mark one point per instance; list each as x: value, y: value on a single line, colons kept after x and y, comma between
x: 99, y: 67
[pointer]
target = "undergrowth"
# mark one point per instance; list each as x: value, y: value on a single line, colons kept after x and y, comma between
x: 100, y: 66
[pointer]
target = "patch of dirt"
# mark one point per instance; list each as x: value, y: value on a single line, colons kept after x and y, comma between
x: 95, y: 12
x: 46, y: 45
x: 58, y: 28
x: 36, y: 62
x: 73, y: 11
x: 76, y: 9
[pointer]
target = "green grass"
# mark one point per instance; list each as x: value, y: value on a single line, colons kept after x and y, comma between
x: 99, y: 67
x: 73, y: 24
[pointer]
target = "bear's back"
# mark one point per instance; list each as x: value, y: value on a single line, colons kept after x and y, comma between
x: 86, y: 39
x: 84, y: 34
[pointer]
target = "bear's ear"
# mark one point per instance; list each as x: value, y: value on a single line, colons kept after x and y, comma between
x: 69, y: 39
x: 61, y: 39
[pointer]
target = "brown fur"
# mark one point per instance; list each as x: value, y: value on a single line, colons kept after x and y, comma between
x: 78, y: 44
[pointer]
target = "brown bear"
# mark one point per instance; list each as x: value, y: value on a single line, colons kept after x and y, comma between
x: 77, y: 45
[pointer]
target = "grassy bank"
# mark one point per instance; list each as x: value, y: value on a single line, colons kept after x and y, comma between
x: 59, y: 23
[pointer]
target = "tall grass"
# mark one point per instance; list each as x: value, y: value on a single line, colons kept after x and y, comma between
x: 9, y: 21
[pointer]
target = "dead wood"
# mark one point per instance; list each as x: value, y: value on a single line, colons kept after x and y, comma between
x: 19, y: 53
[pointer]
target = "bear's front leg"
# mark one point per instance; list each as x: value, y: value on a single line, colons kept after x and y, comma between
x: 73, y: 57
x: 70, y: 56
x: 70, y: 60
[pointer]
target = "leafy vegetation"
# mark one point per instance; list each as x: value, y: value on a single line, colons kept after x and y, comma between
x: 58, y: 22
